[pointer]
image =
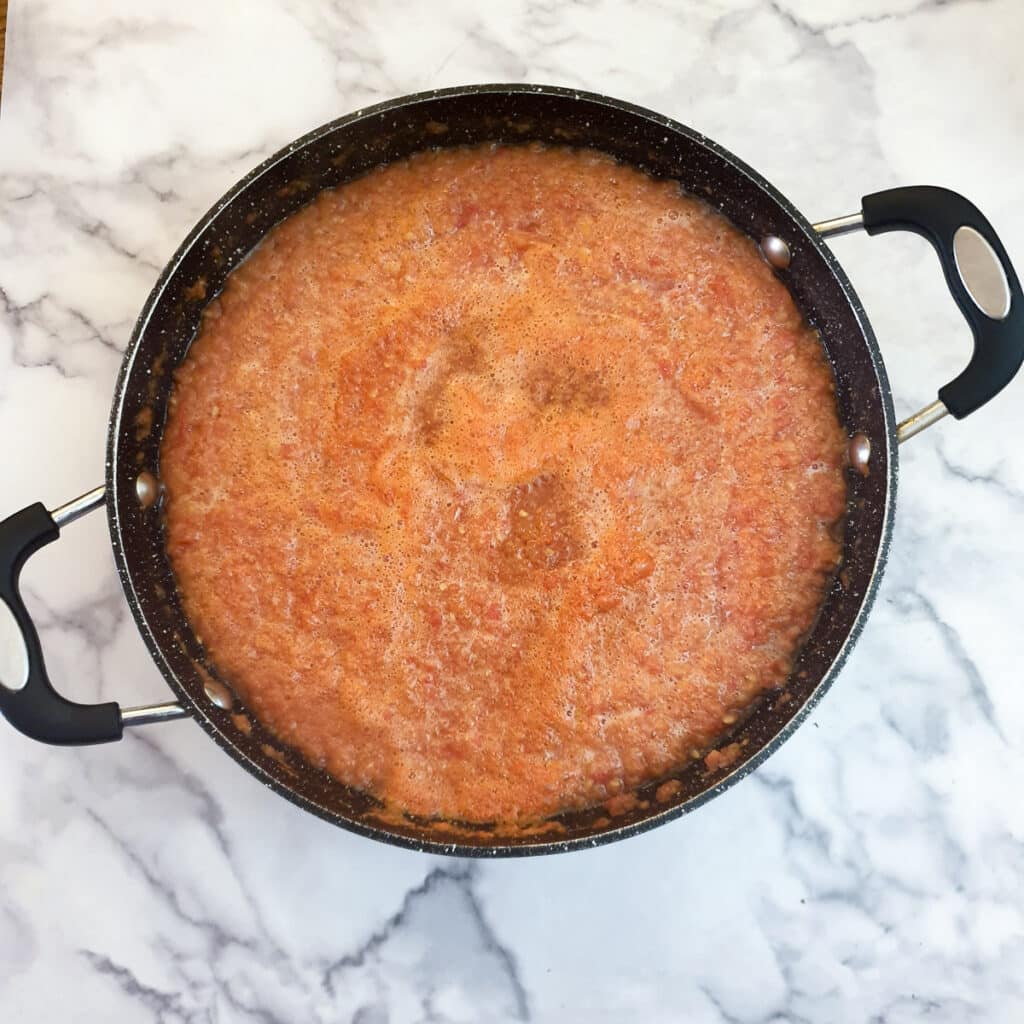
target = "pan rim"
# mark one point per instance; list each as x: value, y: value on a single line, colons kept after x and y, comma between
x: 542, y: 845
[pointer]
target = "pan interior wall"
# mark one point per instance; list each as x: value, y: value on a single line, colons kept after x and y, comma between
x: 347, y: 149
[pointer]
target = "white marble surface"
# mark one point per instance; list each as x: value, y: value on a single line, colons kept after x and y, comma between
x: 872, y: 870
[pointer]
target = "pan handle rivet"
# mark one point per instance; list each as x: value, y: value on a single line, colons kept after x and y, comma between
x: 860, y: 453
x: 147, y: 488
x: 776, y: 251
x: 219, y: 694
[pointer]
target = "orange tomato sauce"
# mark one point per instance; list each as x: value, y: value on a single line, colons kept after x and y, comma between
x: 500, y: 479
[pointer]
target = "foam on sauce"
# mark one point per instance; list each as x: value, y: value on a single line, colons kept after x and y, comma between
x: 499, y: 477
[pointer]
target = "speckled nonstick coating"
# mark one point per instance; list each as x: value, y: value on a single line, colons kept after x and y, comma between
x: 347, y: 148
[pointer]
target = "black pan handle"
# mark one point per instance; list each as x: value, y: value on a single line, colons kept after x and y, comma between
x: 27, y: 697
x: 981, y: 280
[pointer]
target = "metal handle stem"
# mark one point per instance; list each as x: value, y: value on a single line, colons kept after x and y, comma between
x: 82, y: 506
x: 840, y: 225
x: 921, y: 420
x: 149, y: 714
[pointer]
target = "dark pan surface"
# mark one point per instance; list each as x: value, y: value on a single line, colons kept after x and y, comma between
x: 349, y: 147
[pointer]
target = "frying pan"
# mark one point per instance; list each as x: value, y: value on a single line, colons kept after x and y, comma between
x: 973, y: 260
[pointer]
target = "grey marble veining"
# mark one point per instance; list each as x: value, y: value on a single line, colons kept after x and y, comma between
x: 871, y: 870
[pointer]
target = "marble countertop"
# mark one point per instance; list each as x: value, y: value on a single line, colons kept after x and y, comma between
x: 871, y: 870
